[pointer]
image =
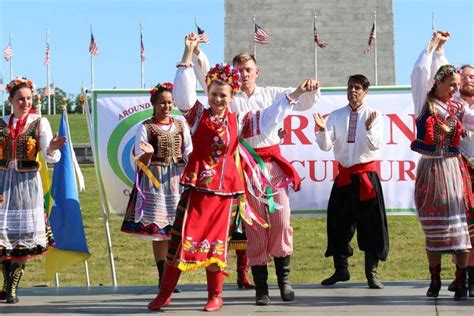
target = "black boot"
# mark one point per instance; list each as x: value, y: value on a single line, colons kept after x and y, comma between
x: 452, y: 286
x: 16, y: 271
x: 260, y: 277
x: 6, y: 275
x: 461, y: 284
x: 282, y: 268
x: 341, y: 273
x: 435, y: 285
x: 371, y: 264
x: 160, y: 265
x: 470, y: 280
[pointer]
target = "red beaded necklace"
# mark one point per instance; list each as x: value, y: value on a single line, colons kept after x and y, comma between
x: 15, y: 131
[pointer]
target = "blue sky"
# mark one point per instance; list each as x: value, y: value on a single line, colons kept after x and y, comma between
x: 116, y: 29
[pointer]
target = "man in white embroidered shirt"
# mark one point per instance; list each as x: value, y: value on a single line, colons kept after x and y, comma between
x: 356, y: 202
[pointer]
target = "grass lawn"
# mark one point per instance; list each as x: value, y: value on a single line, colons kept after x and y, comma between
x: 77, y: 125
x: 135, y: 265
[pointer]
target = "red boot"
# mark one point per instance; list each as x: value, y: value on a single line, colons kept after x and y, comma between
x: 214, y: 290
x: 168, y: 283
x: 243, y: 281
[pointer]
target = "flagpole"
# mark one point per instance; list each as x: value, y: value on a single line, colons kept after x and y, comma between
x: 11, y: 59
x: 315, y: 52
x: 253, y: 41
x: 92, y: 66
x: 48, y: 75
x: 375, y: 48
x: 433, y: 22
x: 3, y: 91
x: 142, y: 72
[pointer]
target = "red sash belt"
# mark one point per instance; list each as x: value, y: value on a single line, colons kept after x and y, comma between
x: 272, y: 153
x: 367, y: 191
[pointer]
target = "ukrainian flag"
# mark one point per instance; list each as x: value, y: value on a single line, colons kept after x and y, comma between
x: 65, y: 216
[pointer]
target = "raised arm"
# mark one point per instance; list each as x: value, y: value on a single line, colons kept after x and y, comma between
x: 429, y: 61
x: 201, y: 66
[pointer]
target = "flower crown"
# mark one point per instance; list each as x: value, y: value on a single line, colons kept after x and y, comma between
x: 20, y: 80
x: 162, y: 86
x: 446, y: 71
x: 225, y: 73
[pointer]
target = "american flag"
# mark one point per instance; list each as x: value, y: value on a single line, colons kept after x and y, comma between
x: 48, y: 90
x: 202, y: 37
x: 372, y: 36
x: 93, y: 49
x: 8, y: 52
x: 46, y: 59
x: 317, y: 39
x: 142, y: 47
x: 260, y: 35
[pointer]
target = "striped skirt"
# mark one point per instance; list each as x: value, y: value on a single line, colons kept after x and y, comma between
x: 442, y: 203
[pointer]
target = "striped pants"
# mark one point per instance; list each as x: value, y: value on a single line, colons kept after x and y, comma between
x: 277, y: 240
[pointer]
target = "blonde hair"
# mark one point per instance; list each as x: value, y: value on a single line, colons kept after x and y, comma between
x: 243, y: 58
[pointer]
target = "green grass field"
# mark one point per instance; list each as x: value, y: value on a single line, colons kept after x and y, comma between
x: 135, y: 265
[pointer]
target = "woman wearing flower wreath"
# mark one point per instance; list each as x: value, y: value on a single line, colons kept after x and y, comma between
x: 162, y: 145
x: 204, y: 215
x: 24, y: 232
x: 443, y: 193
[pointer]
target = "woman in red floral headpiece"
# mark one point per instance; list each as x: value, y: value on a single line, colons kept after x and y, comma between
x: 162, y: 145
x: 24, y: 232
x: 212, y: 178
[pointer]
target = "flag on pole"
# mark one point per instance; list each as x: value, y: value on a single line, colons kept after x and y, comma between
x: 202, y: 37
x: 372, y: 36
x: 8, y: 52
x: 46, y: 59
x: 65, y: 216
x: 1, y: 84
x: 317, y: 39
x: 93, y: 49
x: 48, y: 90
x: 142, y: 47
x: 260, y: 35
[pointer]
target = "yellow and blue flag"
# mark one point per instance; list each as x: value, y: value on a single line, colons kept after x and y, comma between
x: 65, y: 216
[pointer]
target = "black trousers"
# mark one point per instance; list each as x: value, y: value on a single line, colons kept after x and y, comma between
x: 347, y: 213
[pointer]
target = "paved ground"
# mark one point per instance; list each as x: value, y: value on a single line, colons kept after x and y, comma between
x: 407, y: 298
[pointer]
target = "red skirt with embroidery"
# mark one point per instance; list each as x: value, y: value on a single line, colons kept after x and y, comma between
x: 201, y: 230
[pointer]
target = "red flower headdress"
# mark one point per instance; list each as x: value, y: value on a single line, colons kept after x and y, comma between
x: 225, y: 73
x: 20, y: 80
x: 162, y: 86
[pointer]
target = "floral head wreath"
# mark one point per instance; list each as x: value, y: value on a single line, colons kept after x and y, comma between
x: 162, y: 86
x: 446, y: 71
x: 225, y: 73
x: 21, y: 80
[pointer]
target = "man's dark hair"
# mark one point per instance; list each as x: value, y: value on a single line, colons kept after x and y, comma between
x: 360, y: 79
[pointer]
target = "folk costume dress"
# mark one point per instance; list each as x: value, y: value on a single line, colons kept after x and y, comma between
x: 204, y: 217
x: 443, y: 192
x: 151, y: 210
x: 24, y: 231
x: 276, y: 240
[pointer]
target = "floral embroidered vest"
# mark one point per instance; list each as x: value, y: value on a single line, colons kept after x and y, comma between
x: 26, y: 150
x: 211, y: 166
x: 167, y: 146
x: 432, y: 139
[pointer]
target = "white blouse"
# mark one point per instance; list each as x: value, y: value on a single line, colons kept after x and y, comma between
x: 45, y: 136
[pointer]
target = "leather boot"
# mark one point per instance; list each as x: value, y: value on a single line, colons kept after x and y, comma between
x: 215, y: 279
x: 470, y: 281
x: 160, y: 265
x: 16, y: 272
x: 341, y: 274
x: 435, y: 285
x: 461, y: 284
x: 371, y: 264
x: 282, y: 268
x: 243, y: 281
x: 6, y: 275
x: 168, y: 283
x: 260, y: 277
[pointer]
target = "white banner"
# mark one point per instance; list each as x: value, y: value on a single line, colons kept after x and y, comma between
x: 116, y: 114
